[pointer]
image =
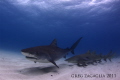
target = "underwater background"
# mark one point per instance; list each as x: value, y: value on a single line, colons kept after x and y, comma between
x: 30, y: 23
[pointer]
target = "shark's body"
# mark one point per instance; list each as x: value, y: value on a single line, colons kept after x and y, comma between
x: 49, y: 53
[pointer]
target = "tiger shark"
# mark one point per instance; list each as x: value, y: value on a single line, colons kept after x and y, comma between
x: 48, y: 53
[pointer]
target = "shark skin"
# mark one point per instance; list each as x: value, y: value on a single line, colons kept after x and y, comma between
x: 48, y: 53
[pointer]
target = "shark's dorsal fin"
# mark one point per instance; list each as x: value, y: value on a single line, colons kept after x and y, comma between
x: 54, y: 43
x: 94, y: 52
x: 88, y: 52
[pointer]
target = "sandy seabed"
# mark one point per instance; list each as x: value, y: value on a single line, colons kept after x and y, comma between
x: 16, y: 67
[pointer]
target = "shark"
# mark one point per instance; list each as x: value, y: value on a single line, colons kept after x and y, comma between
x: 48, y: 53
x: 81, y: 60
x: 90, y: 58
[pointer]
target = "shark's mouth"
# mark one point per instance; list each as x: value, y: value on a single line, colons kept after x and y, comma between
x: 30, y: 57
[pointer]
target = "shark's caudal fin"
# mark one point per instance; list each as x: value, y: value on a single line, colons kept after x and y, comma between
x: 75, y: 45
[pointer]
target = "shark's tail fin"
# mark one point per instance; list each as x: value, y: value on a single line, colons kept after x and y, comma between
x: 75, y: 45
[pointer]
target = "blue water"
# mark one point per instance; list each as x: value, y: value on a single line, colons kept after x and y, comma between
x: 29, y: 23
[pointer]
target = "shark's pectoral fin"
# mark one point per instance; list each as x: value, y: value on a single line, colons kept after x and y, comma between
x: 110, y: 59
x: 51, y: 60
x: 53, y: 63
x: 105, y: 59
